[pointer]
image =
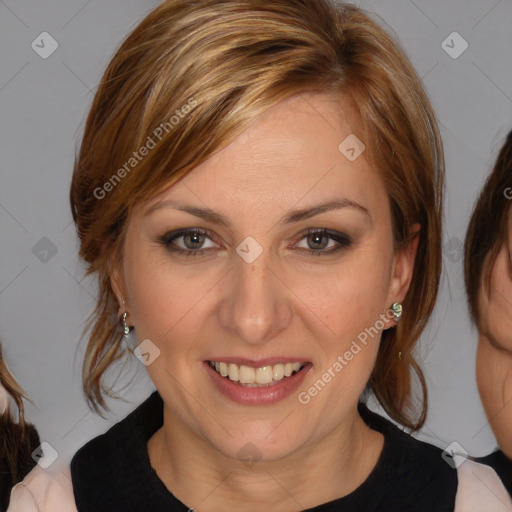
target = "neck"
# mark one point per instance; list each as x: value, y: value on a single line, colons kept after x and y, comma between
x: 205, y: 479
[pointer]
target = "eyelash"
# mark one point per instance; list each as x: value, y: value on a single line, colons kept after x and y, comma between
x: 342, y: 239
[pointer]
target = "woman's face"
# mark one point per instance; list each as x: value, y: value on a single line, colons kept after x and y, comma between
x: 494, y: 355
x: 275, y: 251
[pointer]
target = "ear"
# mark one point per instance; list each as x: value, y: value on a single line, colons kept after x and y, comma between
x: 403, y: 268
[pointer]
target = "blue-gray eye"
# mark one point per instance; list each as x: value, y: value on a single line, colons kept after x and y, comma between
x: 187, y: 241
x: 323, y: 242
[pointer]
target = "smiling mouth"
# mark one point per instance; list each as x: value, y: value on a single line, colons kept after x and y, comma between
x: 263, y: 376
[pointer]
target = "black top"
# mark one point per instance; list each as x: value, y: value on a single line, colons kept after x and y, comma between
x: 112, y: 472
x: 502, y: 465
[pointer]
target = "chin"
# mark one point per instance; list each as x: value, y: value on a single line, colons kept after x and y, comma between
x: 258, y: 448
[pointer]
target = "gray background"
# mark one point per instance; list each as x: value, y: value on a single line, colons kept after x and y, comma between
x: 44, y: 299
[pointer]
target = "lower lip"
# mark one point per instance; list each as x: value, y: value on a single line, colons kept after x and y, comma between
x: 257, y: 395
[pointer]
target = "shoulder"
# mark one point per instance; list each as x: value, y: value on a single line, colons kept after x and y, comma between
x: 411, y: 474
x: 480, y: 488
x: 455, y: 482
x: 110, y: 464
x: 420, y: 476
x: 501, y: 464
x: 44, y: 491
x: 107, y: 451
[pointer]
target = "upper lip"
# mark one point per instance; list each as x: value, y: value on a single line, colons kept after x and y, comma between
x: 269, y: 361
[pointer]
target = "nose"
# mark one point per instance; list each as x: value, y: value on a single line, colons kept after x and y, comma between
x: 257, y: 305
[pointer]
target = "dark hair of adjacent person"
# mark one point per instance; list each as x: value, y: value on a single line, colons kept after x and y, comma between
x: 18, y: 439
x: 488, y: 227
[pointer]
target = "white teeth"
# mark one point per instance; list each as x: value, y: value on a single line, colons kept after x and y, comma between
x: 278, y: 372
x: 247, y: 375
x: 253, y: 377
x: 223, y: 369
x: 233, y: 372
x: 264, y: 375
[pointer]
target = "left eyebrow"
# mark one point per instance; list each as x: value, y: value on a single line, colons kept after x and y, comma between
x: 294, y: 216
x: 307, y: 213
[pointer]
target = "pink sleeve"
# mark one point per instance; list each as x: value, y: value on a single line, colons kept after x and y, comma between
x: 44, y: 491
x: 480, y: 489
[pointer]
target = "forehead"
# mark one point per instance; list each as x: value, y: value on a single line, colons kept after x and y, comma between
x: 306, y: 149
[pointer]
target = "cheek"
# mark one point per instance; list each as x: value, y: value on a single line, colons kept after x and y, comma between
x: 351, y: 297
x: 162, y: 294
x: 495, y: 388
x: 496, y: 308
x: 344, y: 315
x: 499, y: 321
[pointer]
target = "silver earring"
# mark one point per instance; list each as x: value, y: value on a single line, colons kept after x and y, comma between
x: 126, y: 328
x: 397, y: 311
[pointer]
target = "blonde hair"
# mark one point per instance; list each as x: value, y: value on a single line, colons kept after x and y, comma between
x: 229, y: 61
